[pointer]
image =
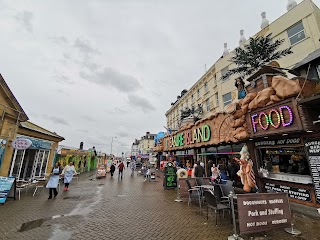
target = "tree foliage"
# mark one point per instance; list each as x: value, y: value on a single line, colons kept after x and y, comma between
x: 257, y: 53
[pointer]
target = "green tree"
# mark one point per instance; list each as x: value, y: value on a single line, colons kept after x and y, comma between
x: 257, y: 53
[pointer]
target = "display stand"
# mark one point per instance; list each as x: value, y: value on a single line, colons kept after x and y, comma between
x: 235, y: 235
x: 292, y: 231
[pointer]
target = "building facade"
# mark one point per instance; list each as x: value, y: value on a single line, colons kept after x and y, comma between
x: 135, y: 148
x: 146, y: 144
x: 300, y: 29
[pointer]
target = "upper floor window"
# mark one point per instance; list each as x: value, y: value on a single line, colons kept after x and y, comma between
x: 227, y: 99
x: 224, y: 72
x: 215, y: 79
x: 296, y: 33
x: 198, y: 93
x: 208, y: 105
x: 206, y: 89
x: 192, y: 98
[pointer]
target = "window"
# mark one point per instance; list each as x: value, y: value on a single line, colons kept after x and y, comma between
x: 217, y: 99
x: 208, y: 105
x: 224, y: 72
x: 187, y: 103
x: 215, y: 79
x: 192, y: 98
x: 198, y: 93
x: 206, y: 89
x: 227, y: 99
x: 296, y: 33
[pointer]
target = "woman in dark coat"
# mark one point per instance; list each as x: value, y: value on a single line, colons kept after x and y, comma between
x: 112, y: 169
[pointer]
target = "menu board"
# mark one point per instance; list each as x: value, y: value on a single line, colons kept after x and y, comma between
x: 170, y: 176
x: 263, y: 212
x: 5, y: 187
x: 313, y: 150
x: 301, y: 194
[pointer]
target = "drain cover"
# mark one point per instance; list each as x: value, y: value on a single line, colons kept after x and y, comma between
x: 73, y: 197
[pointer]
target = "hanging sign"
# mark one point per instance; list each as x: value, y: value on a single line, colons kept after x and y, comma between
x: 21, y: 143
x: 263, y: 212
x: 313, y: 150
x: 301, y: 194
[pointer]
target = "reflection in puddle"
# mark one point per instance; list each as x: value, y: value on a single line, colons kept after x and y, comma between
x: 59, y: 234
x: 36, y: 223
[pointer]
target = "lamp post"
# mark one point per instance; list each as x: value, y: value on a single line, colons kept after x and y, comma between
x: 111, y: 144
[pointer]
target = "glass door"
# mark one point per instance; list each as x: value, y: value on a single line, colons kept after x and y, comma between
x: 16, y: 164
x: 44, y: 163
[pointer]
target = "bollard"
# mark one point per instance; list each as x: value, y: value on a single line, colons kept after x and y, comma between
x: 235, y: 236
x: 178, y: 194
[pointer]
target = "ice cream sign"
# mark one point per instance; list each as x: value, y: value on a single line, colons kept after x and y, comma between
x: 21, y: 143
x: 275, y: 118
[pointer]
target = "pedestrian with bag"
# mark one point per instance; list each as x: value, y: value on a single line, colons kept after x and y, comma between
x: 54, y: 180
x: 68, y: 173
x: 121, y: 167
x: 132, y: 167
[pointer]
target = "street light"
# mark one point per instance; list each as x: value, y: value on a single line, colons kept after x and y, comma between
x: 111, y: 144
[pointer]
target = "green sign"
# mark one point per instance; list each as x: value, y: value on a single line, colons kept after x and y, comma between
x: 170, y: 176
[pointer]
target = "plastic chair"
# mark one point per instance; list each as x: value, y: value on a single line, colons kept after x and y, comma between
x: 39, y: 184
x: 213, y: 204
x: 21, y: 185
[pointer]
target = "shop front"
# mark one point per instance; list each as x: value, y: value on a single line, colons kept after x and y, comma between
x: 36, y: 158
x: 277, y: 138
x: 32, y: 162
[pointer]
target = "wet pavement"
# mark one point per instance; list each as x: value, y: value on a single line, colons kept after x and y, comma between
x: 120, y: 209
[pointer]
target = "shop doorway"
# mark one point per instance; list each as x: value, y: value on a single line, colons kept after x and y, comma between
x: 29, y: 164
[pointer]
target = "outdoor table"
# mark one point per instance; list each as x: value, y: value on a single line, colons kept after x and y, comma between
x: 206, y: 187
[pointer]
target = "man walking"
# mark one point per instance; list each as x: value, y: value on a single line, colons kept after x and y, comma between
x: 121, y: 167
x: 199, y: 170
x: 132, y: 167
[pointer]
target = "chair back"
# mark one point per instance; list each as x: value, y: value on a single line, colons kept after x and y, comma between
x: 226, y: 189
x: 217, y: 192
x: 207, y: 181
x: 192, y: 182
x: 200, y: 181
x: 188, y: 183
x: 210, y: 198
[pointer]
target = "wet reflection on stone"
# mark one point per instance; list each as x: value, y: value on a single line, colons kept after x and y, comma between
x: 36, y: 223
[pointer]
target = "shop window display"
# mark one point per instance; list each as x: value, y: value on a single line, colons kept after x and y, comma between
x: 289, y: 160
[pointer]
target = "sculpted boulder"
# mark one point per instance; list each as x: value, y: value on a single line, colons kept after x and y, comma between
x: 247, y: 100
x: 285, y: 88
x: 262, y: 98
x: 275, y: 98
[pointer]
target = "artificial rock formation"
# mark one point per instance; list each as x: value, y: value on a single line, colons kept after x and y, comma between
x: 284, y: 87
x: 262, y: 98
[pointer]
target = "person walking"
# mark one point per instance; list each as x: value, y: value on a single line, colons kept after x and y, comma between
x: 193, y: 171
x: 68, y: 173
x: 199, y: 170
x: 112, y: 169
x: 132, y: 167
x: 148, y: 174
x: 215, y: 174
x: 54, y: 180
x: 121, y: 167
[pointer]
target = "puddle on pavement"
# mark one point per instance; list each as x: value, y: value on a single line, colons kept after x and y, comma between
x: 59, y: 234
x: 36, y: 223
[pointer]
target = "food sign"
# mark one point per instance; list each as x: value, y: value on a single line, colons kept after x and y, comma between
x: 263, y: 212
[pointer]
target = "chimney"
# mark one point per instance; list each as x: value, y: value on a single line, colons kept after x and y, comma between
x: 242, y: 38
x: 265, y: 21
x: 291, y: 4
x: 225, y: 50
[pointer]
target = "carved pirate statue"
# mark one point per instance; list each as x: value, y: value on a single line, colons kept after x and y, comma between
x: 240, y: 86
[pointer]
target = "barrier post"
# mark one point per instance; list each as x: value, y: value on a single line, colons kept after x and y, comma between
x: 235, y: 236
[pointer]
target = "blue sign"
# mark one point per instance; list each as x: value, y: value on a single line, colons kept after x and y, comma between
x: 5, y: 187
x: 38, y: 144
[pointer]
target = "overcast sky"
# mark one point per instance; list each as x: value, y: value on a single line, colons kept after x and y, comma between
x: 93, y: 69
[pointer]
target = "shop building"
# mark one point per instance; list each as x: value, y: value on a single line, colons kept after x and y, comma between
x: 299, y: 27
x: 37, y: 160
x: 11, y: 116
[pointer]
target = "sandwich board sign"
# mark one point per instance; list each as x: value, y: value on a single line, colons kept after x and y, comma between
x: 6, y: 190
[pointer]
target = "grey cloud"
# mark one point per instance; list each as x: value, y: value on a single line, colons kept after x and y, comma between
x: 25, y: 19
x: 112, y: 78
x: 61, y: 78
x: 62, y: 92
x: 56, y: 120
x: 83, y: 130
x: 59, y: 40
x: 141, y: 102
x: 85, y: 47
x: 88, y: 118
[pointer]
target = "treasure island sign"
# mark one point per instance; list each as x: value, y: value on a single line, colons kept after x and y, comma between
x: 188, y: 137
x: 279, y: 118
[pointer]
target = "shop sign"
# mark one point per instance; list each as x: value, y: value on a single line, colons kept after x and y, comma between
x: 6, y: 183
x: 263, y: 212
x: 197, y: 135
x: 273, y: 118
x: 301, y: 194
x: 288, y: 141
x: 313, y: 150
x: 170, y: 176
x: 21, y: 143
x: 37, y: 143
